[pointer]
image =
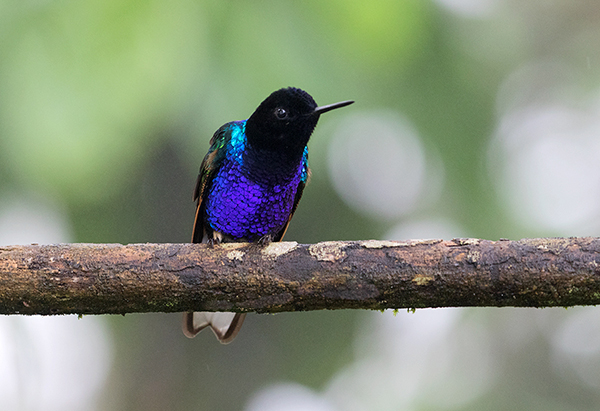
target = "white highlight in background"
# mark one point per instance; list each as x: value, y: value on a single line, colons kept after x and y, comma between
x: 288, y: 397
x: 544, y: 156
x: 378, y: 165
x: 471, y: 8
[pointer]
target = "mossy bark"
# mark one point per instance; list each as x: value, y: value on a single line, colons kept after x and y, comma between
x: 119, y: 279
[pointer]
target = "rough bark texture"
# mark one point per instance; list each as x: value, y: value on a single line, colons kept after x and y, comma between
x: 117, y: 279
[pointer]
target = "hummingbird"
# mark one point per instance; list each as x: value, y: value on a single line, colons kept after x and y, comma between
x: 250, y: 183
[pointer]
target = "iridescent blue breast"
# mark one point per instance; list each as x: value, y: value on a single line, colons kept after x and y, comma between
x: 252, y: 195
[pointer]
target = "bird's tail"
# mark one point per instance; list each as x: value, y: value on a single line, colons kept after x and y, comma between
x: 224, y: 325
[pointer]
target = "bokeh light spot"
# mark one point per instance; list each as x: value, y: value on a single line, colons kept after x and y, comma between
x: 377, y: 164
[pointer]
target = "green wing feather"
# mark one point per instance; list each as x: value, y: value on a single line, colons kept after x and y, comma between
x: 210, y: 165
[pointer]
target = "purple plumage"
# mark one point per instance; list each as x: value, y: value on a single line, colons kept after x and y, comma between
x: 245, y: 202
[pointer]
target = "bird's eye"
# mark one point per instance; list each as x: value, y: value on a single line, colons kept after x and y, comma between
x: 281, y: 113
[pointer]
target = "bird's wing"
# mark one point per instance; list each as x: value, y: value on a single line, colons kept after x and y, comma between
x: 211, y: 163
x: 301, y: 185
x: 281, y: 233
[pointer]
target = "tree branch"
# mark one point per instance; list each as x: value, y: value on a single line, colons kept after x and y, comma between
x: 117, y: 279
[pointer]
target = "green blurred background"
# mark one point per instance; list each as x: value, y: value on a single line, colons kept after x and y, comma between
x: 472, y: 118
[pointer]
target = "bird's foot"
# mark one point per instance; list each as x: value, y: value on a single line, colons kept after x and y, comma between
x: 265, y: 240
x: 215, y: 239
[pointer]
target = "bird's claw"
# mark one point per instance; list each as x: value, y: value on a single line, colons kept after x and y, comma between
x: 265, y: 240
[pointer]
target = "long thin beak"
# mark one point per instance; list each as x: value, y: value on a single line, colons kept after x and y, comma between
x: 325, y: 109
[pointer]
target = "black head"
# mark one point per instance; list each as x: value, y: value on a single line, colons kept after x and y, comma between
x: 285, y: 121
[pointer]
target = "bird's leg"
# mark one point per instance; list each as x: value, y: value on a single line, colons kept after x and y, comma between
x: 216, y: 238
x: 265, y: 240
